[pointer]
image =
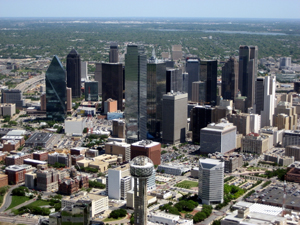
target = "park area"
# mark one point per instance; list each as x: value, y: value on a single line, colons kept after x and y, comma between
x: 187, y: 184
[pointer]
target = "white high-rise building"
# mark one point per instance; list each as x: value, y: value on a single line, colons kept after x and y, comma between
x: 255, y: 123
x: 265, y: 99
x: 84, y: 70
x: 211, y: 181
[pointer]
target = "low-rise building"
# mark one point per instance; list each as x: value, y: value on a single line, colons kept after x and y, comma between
x: 78, y: 150
x: 118, y: 148
x: 10, y: 145
x: 18, y: 138
x: 75, y: 125
x: 17, y: 159
x: 280, y: 160
x: 16, y: 173
x: 91, y: 153
x: 293, y: 150
x: 40, y: 139
x: 147, y: 148
x: 99, y: 203
x: 173, y: 169
x: 277, y: 134
x: 76, y: 158
x: 39, y: 155
x: 59, y: 158
x: 71, y: 185
x: 293, y: 174
x: 34, y: 162
x: 7, y: 109
x: 291, y: 137
x: 161, y: 194
x: 166, y: 218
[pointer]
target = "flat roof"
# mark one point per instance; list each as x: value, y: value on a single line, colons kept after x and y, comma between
x: 35, y: 161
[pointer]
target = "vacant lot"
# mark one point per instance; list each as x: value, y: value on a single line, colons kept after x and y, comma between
x: 187, y: 184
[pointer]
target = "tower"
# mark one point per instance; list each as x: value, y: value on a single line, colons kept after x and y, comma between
x: 113, y: 53
x: 74, y: 73
x: 248, y: 72
x: 265, y: 99
x: 56, y: 91
x: 141, y: 168
x: 136, y: 93
x: 193, y: 69
x: 230, y: 76
x: 208, y: 74
x: 156, y: 88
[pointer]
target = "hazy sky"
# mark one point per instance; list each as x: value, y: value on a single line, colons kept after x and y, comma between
x: 151, y: 8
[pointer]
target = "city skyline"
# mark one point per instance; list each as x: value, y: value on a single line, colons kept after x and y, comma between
x: 133, y: 8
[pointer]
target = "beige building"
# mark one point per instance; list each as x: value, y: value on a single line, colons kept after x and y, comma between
x: 280, y: 120
x: 118, y: 126
x: 69, y: 99
x: 130, y: 199
x: 293, y: 150
x: 99, y: 203
x: 99, y: 165
x: 240, y: 103
x: 7, y: 109
x: 118, y: 148
x: 255, y: 144
x: 43, y: 102
x: 241, y: 121
x: 176, y: 52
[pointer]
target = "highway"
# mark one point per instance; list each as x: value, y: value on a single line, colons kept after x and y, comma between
x: 18, y: 220
x: 26, y: 84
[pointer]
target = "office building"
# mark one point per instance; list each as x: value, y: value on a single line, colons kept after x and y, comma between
x: 211, y: 181
x: 193, y: 70
x: 141, y: 168
x: 230, y: 79
x: 112, y: 83
x: 17, y: 159
x: 73, y: 66
x: 176, y: 52
x: 47, y: 180
x: 147, y: 148
x: 174, y: 123
x: 265, y: 99
x: 293, y: 174
x: 91, y: 91
x: 113, y: 53
x: 84, y: 70
x: 69, y: 186
x: 69, y: 100
x: 166, y: 218
x: 99, y: 203
x: 56, y: 91
x: 43, y: 102
x: 241, y: 121
x: 156, y: 88
x: 199, y: 92
x: 118, y: 148
x: 285, y: 63
x: 291, y: 137
x: 185, y: 82
x: 12, y: 96
x: 60, y: 158
x: 248, y: 72
x: 98, y: 77
x: 255, y: 143
x: 223, y: 109
x: 136, y: 93
x: 173, y: 80
x: 201, y: 116
x: 208, y: 74
x: 275, y: 132
x: 288, y: 118
x: 219, y: 137
x: 293, y: 150
x: 118, y: 128
x: 118, y: 182
x: 16, y: 173
x: 39, y: 155
x: 7, y: 109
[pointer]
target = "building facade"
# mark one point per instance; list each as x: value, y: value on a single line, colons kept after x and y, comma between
x: 230, y: 79
x: 208, y: 74
x: 73, y: 66
x: 91, y: 91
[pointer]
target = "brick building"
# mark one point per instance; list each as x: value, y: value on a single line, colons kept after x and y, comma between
x: 15, y: 138
x: 17, y: 159
x: 78, y: 150
x: 70, y: 186
x: 76, y: 158
x: 147, y: 148
x: 16, y: 173
x: 39, y: 155
x: 293, y: 174
x: 47, y: 180
x: 10, y: 145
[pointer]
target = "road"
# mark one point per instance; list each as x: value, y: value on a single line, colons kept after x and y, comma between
x: 8, y: 197
x: 26, y: 84
x: 18, y: 220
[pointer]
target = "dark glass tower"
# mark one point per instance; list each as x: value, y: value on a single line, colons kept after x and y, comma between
x: 156, y: 88
x: 56, y: 91
x: 248, y: 72
x: 230, y: 77
x: 208, y: 74
x: 91, y: 90
x: 74, y: 73
x: 112, y: 83
x: 135, y: 93
x: 192, y: 68
x: 113, y: 53
x: 174, y: 80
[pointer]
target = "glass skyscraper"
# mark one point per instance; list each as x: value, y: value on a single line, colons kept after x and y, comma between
x: 56, y: 91
x: 208, y: 74
x: 91, y: 90
x: 135, y: 93
x: 74, y: 73
x: 156, y: 88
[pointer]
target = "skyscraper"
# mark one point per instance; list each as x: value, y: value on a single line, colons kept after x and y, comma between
x: 193, y: 69
x: 211, y: 181
x: 136, y: 93
x: 141, y: 168
x: 56, y: 91
x: 208, y: 74
x: 174, y: 80
x: 113, y: 53
x: 174, y: 123
x: 74, y: 73
x: 199, y: 92
x: 156, y: 88
x: 248, y: 72
x: 230, y: 76
x: 265, y: 99
x: 98, y: 77
x: 91, y: 91
x: 112, y: 83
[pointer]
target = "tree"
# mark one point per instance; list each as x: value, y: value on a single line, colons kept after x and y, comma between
x: 20, y: 191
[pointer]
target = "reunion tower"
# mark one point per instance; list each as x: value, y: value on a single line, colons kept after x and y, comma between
x: 141, y: 168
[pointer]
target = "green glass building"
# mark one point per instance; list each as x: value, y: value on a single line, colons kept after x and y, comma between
x: 56, y: 91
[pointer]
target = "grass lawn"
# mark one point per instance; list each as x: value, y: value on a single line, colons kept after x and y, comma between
x: 1, y: 199
x: 187, y: 184
x: 17, y: 200
x: 39, y: 203
x: 112, y: 219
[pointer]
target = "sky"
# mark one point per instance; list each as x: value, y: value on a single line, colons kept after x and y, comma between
x: 152, y: 8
